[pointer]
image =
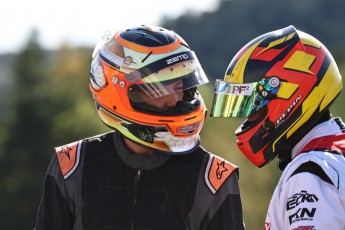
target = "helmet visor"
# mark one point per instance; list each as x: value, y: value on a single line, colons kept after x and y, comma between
x: 233, y: 100
x: 170, y: 75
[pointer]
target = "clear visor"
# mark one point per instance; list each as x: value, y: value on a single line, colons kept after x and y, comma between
x: 234, y: 100
x: 171, y: 75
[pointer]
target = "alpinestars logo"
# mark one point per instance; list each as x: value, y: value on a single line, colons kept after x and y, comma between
x: 65, y: 149
x: 301, y: 213
x: 220, y: 170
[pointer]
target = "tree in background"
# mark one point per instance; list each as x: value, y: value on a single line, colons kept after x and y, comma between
x: 23, y: 136
x: 48, y: 104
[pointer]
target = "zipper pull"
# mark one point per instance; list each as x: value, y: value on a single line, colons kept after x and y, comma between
x: 137, y: 177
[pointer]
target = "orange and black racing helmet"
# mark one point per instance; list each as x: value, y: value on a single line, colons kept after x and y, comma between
x: 283, y: 82
x: 130, y: 69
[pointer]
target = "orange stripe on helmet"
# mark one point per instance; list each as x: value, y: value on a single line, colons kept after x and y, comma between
x: 146, y: 49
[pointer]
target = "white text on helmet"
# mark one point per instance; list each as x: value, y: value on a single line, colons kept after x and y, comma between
x: 286, y: 113
x: 177, y: 58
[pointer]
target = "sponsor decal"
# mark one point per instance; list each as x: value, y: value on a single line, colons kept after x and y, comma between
x: 68, y: 157
x: 128, y: 61
x: 235, y: 89
x: 216, y: 172
x: 133, y: 77
x: 65, y: 150
x: 181, y: 57
x: 299, y: 198
x: 302, y: 214
x: 220, y: 170
x: 188, y: 128
x: 288, y: 111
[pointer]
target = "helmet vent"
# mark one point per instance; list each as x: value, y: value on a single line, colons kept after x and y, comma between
x: 185, y: 45
x: 148, y: 36
x: 166, y: 120
x: 190, y: 118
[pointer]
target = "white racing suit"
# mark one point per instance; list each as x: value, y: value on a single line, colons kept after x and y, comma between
x: 310, y: 194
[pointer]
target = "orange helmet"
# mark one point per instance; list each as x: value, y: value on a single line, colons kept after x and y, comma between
x: 285, y: 80
x: 134, y: 66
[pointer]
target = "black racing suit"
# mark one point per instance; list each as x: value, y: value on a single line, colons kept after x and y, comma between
x: 97, y: 183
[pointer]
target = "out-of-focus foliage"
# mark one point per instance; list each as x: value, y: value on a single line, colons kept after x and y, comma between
x: 47, y: 105
x: 45, y: 100
x: 217, y: 36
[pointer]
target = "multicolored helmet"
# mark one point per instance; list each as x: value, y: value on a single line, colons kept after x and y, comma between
x: 133, y: 67
x: 282, y: 82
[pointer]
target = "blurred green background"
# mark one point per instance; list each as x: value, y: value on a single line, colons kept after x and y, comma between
x: 45, y: 100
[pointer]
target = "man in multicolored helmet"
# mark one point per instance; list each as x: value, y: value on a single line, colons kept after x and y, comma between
x: 151, y: 173
x: 283, y: 82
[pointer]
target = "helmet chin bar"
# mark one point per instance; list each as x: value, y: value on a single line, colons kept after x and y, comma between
x: 144, y: 133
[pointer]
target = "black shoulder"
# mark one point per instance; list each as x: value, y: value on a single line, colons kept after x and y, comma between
x: 69, y: 155
x: 99, y: 147
x: 313, y: 168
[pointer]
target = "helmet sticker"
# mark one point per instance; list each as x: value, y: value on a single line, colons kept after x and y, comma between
x: 189, y: 128
x: 288, y: 111
x: 235, y: 89
x: 128, y: 61
x: 178, y: 58
x: 134, y: 76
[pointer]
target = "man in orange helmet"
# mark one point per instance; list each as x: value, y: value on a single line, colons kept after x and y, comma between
x: 283, y: 82
x: 151, y: 172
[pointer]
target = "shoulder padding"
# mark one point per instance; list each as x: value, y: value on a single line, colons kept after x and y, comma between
x: 313, y: 168
x: 68, y: 157
x: 217, y: 171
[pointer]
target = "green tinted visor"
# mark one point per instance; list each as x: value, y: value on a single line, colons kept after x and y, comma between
x: 233, y: 100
